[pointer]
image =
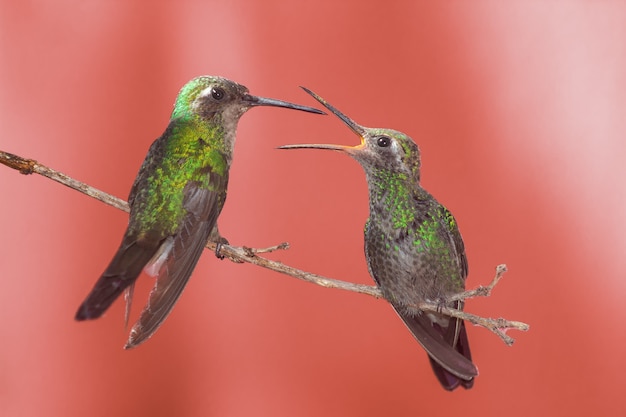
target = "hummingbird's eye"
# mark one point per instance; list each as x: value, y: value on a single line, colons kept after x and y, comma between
x: 383, y: 141
x: 217, y: 93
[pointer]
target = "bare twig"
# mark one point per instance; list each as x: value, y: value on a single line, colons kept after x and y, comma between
x: 498, y: 326
x: 481, y: 291
x: 30, y: 166
x: 250, y: 256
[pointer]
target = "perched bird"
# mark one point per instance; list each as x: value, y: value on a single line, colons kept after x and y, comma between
x: 413, y: 247
x: 176, y: 199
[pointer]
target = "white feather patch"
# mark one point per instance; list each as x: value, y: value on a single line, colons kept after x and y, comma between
x: 155, y: 264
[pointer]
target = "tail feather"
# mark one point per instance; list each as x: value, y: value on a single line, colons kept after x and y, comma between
x: 123, y: 270
x: 451, y: 362
x: 448, y: 380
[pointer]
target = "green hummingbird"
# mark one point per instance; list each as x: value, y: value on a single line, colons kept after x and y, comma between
x: 176, y: 199
x: 413, y: 246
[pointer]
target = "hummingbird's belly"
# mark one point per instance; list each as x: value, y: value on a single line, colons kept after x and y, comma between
x: 408, y: 276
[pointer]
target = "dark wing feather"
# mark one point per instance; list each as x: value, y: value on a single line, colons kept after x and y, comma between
x: 454, y: 334
x: 203, y: 207
x: 457, y: 241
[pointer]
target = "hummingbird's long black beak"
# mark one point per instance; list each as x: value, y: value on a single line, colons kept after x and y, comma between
x: 359, y: 130
x: 262, y: 101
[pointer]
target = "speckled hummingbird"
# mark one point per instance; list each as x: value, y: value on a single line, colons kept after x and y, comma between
x: 413, y: 246
x: 176, y: 199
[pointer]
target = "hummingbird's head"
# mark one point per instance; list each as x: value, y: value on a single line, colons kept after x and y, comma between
x: 210, y: 96
x: 380, y: 149
x: 207, y: 96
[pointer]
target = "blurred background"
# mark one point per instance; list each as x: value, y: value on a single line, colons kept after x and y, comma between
x: 520, y: 112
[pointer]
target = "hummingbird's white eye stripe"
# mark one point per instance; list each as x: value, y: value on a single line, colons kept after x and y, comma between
x: 200, y: 98
x: 206, y: 92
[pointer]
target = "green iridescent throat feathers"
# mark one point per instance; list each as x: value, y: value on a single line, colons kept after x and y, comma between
x: 413, y: 246
x: 176, y: 199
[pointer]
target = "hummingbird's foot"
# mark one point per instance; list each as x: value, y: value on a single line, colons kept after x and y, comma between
x: 218, y: 249
x: 441, y: 303
x: 219, y: 242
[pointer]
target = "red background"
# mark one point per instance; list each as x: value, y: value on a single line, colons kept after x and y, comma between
x: 519, y: 109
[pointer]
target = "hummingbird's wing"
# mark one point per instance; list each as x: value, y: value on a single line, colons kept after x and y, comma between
x: 457, y: 241
x: 203, y: 206
x: 453, y: 334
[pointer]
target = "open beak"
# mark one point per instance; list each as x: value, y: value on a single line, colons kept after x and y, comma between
x: 262, y: 101
x: 349, y: 122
